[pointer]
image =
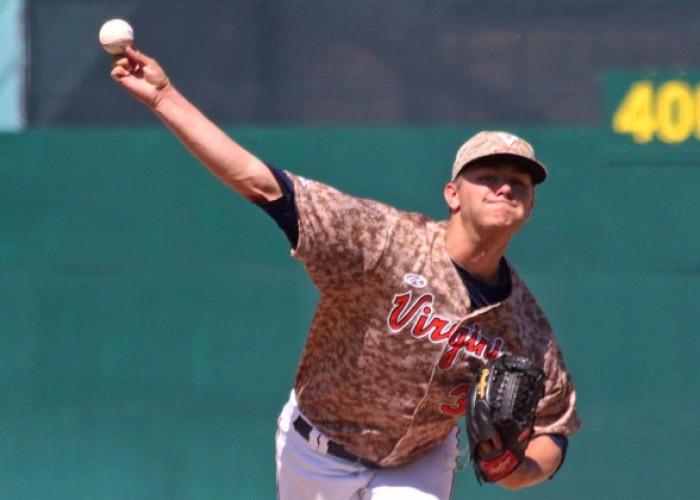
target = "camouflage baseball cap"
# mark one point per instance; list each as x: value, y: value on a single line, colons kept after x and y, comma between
x: 490, y: 143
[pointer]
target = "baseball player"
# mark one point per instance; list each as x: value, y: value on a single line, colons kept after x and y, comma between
x: 409, y: 309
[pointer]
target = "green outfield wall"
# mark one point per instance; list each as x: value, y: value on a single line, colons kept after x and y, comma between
x: 151, y: 321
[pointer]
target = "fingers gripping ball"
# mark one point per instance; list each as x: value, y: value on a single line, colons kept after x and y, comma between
x: 501, y: 405
x: 115, y: 35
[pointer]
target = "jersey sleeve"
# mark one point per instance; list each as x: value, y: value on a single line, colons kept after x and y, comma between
x: 556, y: 412
x: 342, y: 238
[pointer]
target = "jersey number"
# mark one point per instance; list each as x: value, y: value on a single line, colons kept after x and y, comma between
x: 459, y: 395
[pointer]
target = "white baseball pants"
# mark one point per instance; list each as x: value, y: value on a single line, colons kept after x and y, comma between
x: 305, y: 471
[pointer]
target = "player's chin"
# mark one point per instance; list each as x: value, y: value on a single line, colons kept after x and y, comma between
x: 508, y: 218
x: 508, y: 226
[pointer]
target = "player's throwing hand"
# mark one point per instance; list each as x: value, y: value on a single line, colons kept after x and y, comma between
x: 141, y: 75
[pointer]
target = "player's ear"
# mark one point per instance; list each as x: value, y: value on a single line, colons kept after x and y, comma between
x: 450, y: 193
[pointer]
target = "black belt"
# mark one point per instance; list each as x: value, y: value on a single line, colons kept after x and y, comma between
x: 304, y: 429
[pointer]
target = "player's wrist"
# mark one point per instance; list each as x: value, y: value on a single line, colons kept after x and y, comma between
x: 525, y: 474
x: 166, y: 95
x: 499, y: 467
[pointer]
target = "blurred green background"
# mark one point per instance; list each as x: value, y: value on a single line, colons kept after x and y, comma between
x: 151, y: 320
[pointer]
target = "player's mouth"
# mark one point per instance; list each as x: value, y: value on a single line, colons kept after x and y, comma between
x: 502, y: 202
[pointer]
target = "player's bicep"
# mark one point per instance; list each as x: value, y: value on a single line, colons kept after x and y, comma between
x: 562, y: 442
x: 546, y: 452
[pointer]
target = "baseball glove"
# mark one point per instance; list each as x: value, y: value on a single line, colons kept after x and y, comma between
x: 502, y: 402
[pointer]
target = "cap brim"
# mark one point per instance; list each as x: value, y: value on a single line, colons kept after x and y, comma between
x: 537, y: 171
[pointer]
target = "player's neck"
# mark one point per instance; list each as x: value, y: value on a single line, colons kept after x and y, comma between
x: 479, y: 254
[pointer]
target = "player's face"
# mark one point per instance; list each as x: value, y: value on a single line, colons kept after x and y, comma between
x: 495, y: 193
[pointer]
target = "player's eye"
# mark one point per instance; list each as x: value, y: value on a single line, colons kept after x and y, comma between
x: 486, y: 178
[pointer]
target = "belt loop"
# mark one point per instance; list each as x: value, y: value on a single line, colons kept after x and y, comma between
x: 318, y: 440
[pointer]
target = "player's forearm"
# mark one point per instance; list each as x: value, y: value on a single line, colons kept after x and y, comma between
x: 233, y: 164
x: 542, y: 459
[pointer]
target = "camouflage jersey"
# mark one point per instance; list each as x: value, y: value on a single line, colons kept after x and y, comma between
x: 394, y: 342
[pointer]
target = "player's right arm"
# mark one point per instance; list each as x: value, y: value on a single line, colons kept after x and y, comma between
x: 237, y: 167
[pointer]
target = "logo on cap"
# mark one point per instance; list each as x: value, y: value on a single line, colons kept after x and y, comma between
x: 507, y: 138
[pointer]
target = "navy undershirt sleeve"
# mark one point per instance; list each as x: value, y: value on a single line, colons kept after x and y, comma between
x: 283, y: 210
x: 563, y: 443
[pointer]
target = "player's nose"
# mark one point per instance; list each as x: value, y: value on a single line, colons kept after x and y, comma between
x: 503, y: 187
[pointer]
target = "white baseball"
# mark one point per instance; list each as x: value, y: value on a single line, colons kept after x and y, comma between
x: 116, y: 34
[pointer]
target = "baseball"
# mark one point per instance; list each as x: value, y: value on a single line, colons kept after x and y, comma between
x: 116, y: 34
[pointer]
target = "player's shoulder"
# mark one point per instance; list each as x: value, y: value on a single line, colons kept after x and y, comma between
x: 320, y: 193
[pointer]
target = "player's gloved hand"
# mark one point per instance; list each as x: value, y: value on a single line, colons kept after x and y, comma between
x: 501, y: 414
